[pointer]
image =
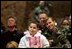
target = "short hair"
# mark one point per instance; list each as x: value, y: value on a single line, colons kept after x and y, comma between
x: 43, y: 12
x: 13, y: 18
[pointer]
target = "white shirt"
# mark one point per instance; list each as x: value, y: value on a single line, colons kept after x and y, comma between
x: 24, y: 42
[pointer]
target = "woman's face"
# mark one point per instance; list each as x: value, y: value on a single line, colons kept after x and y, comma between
x: 11, y: 22
x: 65, y: 24
x: 33, y: 28
x: 50, y: 23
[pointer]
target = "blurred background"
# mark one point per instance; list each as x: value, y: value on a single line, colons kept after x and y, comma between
x: 23, y: 11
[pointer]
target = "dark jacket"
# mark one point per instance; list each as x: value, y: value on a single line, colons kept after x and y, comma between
x: 10, y: 36
x: 52, y: 35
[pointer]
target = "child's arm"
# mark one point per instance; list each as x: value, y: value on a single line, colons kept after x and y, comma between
x: 45, y: 42
x: 22, y: 43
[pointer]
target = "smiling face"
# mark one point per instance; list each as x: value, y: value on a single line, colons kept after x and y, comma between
x: 50, y: 23
x: 65, y: 24
x: 43, y: 18
x: 33, y: 28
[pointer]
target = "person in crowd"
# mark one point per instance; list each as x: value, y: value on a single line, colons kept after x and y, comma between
x: 34, y: 39
x: 12, y: 44
x: 42, y: 21
x: 42, y: 7
x: 65, y: 23
x: 12, y: 33
x: 66, y: 34
x: 52, y: 32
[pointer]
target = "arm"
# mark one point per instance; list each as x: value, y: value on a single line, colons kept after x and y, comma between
x: 45, y: 42
x: 22, y: 43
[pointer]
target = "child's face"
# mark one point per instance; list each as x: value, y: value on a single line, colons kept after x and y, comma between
x: 33, y: 28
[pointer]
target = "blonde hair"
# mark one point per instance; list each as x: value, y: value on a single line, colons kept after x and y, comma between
x: 12, y: 44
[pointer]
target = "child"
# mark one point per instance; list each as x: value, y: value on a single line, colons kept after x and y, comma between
x: 12, y: 44
x: 33, y: 39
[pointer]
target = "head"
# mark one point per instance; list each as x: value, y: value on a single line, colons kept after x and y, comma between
x: 11, y: 21
x: 50, y: 23
x: 33, y: 27
x: 65, y: 23
x: 12, y: 44
x: 43, y: 18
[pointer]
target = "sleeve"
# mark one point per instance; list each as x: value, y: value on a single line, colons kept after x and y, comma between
x: 45, y: 42
x: 22, y: 43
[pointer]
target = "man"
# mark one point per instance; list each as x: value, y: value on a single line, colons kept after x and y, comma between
x: 42, y: 21
x: 42, y: 7
x: 52, y: 32
x: 12, y: 34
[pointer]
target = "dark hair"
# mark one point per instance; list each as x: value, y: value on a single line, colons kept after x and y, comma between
x: 63, y: 20
x: 32, y: 21
x: 43, y: 12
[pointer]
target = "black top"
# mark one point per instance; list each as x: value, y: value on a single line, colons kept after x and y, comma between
x: 10, y: 36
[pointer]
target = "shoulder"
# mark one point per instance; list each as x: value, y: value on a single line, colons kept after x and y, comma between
x: 43, y: 37
x: 6, y: 33
x: 26, y: 32
x: 18, y: 32
x: 23, y: 38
